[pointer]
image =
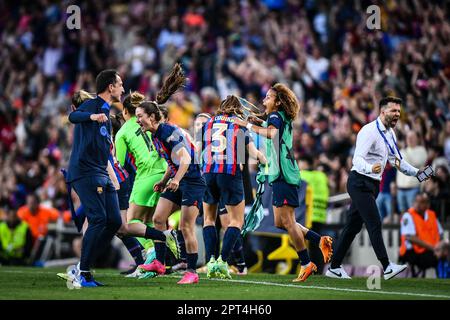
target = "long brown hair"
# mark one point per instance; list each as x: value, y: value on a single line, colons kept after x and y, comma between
x: 174, y: 81
x: 230, y: 106
x: 287, y: 100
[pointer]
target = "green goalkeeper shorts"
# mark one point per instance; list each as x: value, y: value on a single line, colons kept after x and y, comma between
x: 142, y: 193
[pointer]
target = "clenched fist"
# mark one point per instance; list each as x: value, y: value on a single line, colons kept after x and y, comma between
x: 376, y: 168
x: 99, y: 117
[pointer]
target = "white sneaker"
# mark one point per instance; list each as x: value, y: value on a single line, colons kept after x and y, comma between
x: 180, y: 267
x: 393, y: 269
x: 337, y: 273
x: 136, y: 274
x: 71, y: 273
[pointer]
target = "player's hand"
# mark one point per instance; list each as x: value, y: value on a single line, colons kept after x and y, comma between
x: 172, y: 185
x: 254, y: 119
x: 240, y: 122
x: 262, y: 158
x: 376, y: 168
x: 159, y: 187
x: 99, y: 117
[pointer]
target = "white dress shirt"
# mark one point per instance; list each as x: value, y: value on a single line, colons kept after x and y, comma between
x: 371, y: 149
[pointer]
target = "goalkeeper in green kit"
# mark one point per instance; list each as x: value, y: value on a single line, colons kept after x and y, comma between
x: 135, y: 152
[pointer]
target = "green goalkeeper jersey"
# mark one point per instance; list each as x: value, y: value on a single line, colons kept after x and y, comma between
x: 134, y: 149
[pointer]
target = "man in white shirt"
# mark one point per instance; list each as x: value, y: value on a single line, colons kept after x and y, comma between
x: 375, y: 145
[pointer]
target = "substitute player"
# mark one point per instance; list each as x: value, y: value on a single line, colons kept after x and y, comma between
x: 284, y: 175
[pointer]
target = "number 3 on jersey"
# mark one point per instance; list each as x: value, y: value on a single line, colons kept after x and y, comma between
x: 219, y: 141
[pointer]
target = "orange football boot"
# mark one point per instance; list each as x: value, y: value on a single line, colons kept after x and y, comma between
x: 325, y: 246
x: 305, y: 272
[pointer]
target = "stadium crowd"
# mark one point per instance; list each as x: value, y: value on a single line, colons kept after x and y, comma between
x: 323, y: 50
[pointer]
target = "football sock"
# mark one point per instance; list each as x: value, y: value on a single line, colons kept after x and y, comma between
x: 152, y: 233
x: 182, y: 244
x: 160, y: 248
x: 238, y: 251
x: 229, y: 239
x: 192, y: 261
x: 304, y: 257
x: 210, y: 238
x: 313, y: 237
x: 134, y: 248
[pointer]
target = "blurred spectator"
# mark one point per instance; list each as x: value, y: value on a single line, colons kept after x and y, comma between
x: 384, y: 199
x: 337, y: 67
x: 16, y: 240
x: 318, y: 182
x: 409, y: 187
x: 442, y: 252
x: 37, y: 216
x: 421, y: 233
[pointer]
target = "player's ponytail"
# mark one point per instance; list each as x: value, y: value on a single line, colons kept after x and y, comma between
x: 230, y: 106
x: 174, y: 81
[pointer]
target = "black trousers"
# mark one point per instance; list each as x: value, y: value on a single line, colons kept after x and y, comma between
x: 363, y: 192
x: 422, y: 261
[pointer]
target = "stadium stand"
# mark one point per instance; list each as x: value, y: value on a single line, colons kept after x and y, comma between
x: 323, y: 50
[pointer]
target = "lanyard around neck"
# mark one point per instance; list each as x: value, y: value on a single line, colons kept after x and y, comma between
x: 387, y: 143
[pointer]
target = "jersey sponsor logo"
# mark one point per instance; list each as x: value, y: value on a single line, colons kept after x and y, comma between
x: 99, y: 190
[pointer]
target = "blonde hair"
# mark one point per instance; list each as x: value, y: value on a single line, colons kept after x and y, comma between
x: 80, y: 96
x: 288, y: 101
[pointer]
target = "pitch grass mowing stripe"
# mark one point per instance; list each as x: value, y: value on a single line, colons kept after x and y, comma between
x: 425, y: 295
x: 298, y: 286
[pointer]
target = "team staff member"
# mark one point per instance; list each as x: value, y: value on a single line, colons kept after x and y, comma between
x: 88, y: 170
x: 375, y: 145
x: 420, y: 233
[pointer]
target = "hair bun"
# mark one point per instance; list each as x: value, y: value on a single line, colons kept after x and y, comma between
x: 136, y: 98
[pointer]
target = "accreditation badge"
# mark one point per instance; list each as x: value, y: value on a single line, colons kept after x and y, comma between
x: 397, y: 163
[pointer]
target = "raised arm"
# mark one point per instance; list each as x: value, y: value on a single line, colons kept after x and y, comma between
x: 269, y: 132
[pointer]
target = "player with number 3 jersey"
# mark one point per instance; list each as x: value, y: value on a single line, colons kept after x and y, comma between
x: 224, y: 146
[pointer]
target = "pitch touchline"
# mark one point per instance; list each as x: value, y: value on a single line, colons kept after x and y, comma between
x: 330, y: 288
x: 287, y: 286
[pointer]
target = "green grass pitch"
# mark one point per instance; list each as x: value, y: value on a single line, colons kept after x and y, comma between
x: 42, y: 283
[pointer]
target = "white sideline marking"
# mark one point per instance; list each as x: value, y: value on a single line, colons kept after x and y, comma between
x: 265, y: 283
x: 330, y: 288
